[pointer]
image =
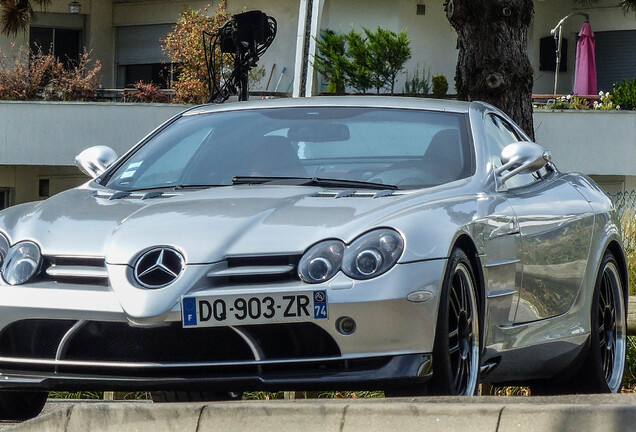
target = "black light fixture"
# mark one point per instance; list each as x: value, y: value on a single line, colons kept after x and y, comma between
x: 74, y: 7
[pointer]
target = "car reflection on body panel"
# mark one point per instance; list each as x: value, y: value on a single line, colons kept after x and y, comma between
x: 413, y: 246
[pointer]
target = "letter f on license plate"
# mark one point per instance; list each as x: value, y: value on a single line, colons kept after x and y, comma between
x: 189, y: 308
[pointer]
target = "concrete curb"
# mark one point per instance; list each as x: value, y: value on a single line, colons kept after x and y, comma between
x: 479, y: 414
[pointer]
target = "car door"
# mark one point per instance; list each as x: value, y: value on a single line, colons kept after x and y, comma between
x: 556, y: 228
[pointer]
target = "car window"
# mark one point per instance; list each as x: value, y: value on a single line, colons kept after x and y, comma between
x: 407, y: 148
x: 500, y: 133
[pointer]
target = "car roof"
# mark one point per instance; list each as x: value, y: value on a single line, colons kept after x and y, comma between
x: 340, y: 101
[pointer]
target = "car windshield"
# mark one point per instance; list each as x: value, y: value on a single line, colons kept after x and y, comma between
x: 393, y: 147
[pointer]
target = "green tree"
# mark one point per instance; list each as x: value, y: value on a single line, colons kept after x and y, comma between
x: 358, y: 73
x: 626, y: 5
x: 184, y: 46
x: 388, y: 52
x: 332, y: 63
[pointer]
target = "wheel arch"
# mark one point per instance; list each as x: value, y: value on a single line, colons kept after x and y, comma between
x: 466, y: 243
x: 617, y: 250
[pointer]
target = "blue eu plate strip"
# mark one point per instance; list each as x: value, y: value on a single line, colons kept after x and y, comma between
x: 189, y: 305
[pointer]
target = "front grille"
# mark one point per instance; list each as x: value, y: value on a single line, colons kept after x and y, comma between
x: 119, y: 342
x: 102, y: 343
x: 75, y: 270
x: 33, y: 338
x: 257, y: 270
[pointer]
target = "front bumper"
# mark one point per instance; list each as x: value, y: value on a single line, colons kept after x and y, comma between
x: 55, y: 336
x: 371, y: 373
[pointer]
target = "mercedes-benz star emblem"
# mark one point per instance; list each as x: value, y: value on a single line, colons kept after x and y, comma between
x: 159, y: 267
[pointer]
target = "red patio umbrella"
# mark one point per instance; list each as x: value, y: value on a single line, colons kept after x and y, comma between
x: 585, y: 71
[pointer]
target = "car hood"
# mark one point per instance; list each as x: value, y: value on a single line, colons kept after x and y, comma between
x: 205, y: 225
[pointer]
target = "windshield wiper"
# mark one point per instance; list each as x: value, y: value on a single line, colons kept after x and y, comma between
x: 195, y: 186
x: 310, y: 181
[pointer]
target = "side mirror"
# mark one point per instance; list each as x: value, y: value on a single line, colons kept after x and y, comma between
x: 95, y: 160
x: 522, y: 157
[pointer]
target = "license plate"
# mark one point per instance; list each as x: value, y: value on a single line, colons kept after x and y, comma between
x: 209, y: 311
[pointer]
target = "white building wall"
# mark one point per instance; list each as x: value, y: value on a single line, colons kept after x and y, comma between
x: 592, y: 142
x: 53, y: 133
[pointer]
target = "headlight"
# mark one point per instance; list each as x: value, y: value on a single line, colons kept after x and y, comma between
x: 4, y: 249
x: 372, y: 254
x: 22, y: 263
x: 321, y: 262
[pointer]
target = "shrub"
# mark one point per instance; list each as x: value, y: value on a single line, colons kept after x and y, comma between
x: 625, y: 94
x: 77, y: 82
x: 331, y: 63
x: 628, y: 226
x: 418, y: 86
x: 358, y: 73
x: 372, y: 61
x: 146, y: 93
x: 440, y: 86
x: 25, y: 75
x: 606, y: 102
x: 184, y: 45
x: 388, y: 52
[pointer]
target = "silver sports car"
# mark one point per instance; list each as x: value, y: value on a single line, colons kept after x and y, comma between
x: 414, y: 246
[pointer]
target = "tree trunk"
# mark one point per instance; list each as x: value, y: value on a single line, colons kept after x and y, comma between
x: 493, y: 64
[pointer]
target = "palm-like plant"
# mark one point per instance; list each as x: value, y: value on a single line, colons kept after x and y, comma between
x: 16, y: 14
x: 626, y: 5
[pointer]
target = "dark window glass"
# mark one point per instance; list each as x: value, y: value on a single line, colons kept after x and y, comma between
x: 44, y: 187
x: 41, y: 38
x: 157, y: 73
x: 65, y: 43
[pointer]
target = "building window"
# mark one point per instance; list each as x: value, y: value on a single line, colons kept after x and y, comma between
x: 44, y: 189
x: 65, y: 44
x: 4, y: 197
x: 140, y: 57
x: 615, y: 59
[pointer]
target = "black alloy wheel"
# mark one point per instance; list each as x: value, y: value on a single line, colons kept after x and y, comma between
x: 456, y: 355
x: 604, y: 363
x: 606, y: 359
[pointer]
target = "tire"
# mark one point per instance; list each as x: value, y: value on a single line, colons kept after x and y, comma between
x: 193, y: 396
x: 456, y: 352
x: 19, y: 405
x: 604, y: 362
x: 604, y: 365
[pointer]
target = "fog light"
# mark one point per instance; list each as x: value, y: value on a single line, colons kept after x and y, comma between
x: 345, y: 325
